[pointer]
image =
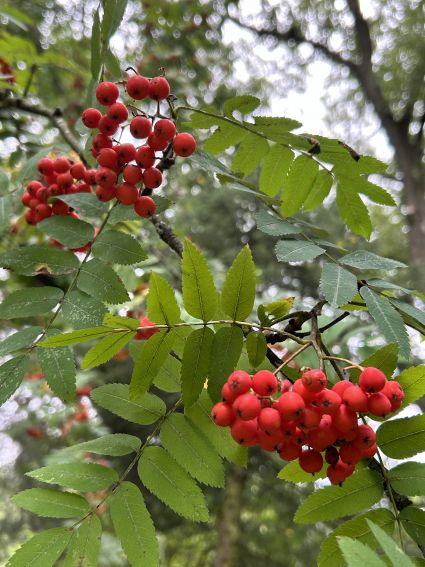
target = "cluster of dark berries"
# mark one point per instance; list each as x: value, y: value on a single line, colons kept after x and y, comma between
x: 306, y: 420
x: 127, y: 172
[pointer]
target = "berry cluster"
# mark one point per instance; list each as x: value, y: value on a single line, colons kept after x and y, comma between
x: 126, y: 171
x: 308, y: 421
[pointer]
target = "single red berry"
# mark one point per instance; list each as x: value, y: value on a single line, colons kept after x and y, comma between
x: 372, y: 380
x: 269, y: 420
x: 45, y: 166
x: 26, y: 198
x: 324, y: 435
x: 341, y: 386
x: 152, y: 178
x: 228, y: 394
x: 127, y: 194
x: 289, y: 451
x: 117, y: 112
x: 311, y: 461
x: 310, y: 418
x: 105, y: 177
x: 355, y: 399
x: 132, y: 174
x: 247, y: 406
x: 30, y: 217
x: 90, y: 176
x: 327, y: 401
x: 140, y: 127
x: 269, y: 441
x: 290, y: 405
x: 145, y: 206
x: 125, y: 153
x: 369, y: 452
x: 53, y: 190
x: 365, y: 437
x: 137, y: 87
x: 286, y: 385
x: 265, y: 383
x: 60, y: 208
x: 301, y: 390
x: 101, y: 141
x: 223, y: 414
x: 145, y: 157
x: 338, y: 473
x: 392, y: 390
x: 165, y: 129
x: 50, y: 179
x: 33, y: 203
x: 184, y: 144
x: 145, y: 334
x: 107, y: 157
x: 244, y: 432
x: 61, y: 165
x: 33, y: 187
x: 42, y: 194
x: 344, y: 419
x: 239, y: 382
x: 107, y: 126
x: 65, y: 181
x: 378, y: 404
x: 91, y: 117
x: 34, y: 432
x: 332, y: 455
x: 83, y: 391
x: 43, y: 211
x: 350, y: 454
x: 107, y: 93
x: 77, y: 170
x: 314, y: 380
x: 105, y: 193
x: 157, y: 144
x: 288, y: 429
x: 395, y: 405
x: 159, y: 88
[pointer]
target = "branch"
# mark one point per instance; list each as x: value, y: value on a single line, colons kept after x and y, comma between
x: 167, y: 235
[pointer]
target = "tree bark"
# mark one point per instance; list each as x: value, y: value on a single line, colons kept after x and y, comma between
x: 229, y: 521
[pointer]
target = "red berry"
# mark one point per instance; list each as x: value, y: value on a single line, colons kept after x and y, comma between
x: 26, y: 198
x: 65, y: 181
x: 152, y: 178
x: 165, y: 129
x: 265, y: 383
x: 60, y: 208
x: 239, y: 382
x: 90, y: 176
x: 77, y: 170
x: 392, y: 389
x: 223, y: 414
x: 311, y: 461
x: 61, y: 165
x: 269, y: 441
x: 310, y: 418
x: 105, y: 177
x: 327, y: 401
x: 289, y: 451
x: 132, y: 174
x: 145, y: 206
x: 127, y: 194
x: 101, y: 141
x: 365, y: 437
x: 369, y: 452
x: 159, y: 88
x: 45, y: 166
x: 314, y: 380
x: 269, y: 420
x: 338, y: 473
x: 125, y: 153
x: 286, y: 385
x: 43, y: 211
x: 117, y: 112
x: 30, y: 217
x: 355, y: 399
x: 140, y: 127
x: 324, y: 435
x: 228, y: 394
x: 83, y: 391
x: 33, y: 203
x: 34, y: 432
x: 107, y: 93
x: 107, y: 126
x: 145, y: 334
x: 105, y: 193
x: 300, y: 389
x: 137, y: 87
x: 350, y: 454
x: 91, y: 117
x: 331, y: 455
x: 247, y: 406
x: 341, y: 386
x: 378, y: 404
x: 184, y: 144
x: 33, y: 187
x: 145, y: 157
x: 107, y: 157
x: 372, y: 380
x: 244, y: 432
x: 344, y: 419
x: 157, y: 144
x: 290, y: 405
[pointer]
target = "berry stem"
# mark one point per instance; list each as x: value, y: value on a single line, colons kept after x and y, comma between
x: 341, y: 359
x: 293, y: 355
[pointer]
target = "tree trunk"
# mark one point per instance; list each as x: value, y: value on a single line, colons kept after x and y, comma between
x: 228, y: 523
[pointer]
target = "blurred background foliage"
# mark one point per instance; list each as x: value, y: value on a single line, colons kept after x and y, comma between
x: 345, y: 69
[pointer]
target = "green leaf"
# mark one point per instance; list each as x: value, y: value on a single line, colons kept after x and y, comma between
x: 152, y: 357
x: 50, y: 503
x: 277, y: 309
x: 358, y: 554
x: 275, y: 124
x: 238, y: 294
x: 338, y: 285
x: 225, y: 136
x: 113, y: 445
x: 385, y: 359
x: 199, y: 293
x: 359, y: 491
x: 330, y: 554
x: 11, y: 375
x: 200, y: 416
x: 162, y: 304
x: 116, y: 398
x: 85, y: 204
x: 84, y: 548
x: 387, y: 319
x: 19, y: 340
x: 112, y: 18
x: 413, y: 520
x: 292, y: 472
x: 6, y: 211
x: 75, y: 337
x: 168, y: 377
x: 364, y: 260
x: 256, y: 347
x: 112, y: 63
x: 225, y: 353
x: 70, y: 232
x: 408, y: 478
x: 412, y: 381
x: 195, y: 364
x: 249, y: 154
x: 81, y: 310
x: 192, y: 450
x: 95, y: 46
x: 42, y: 549
x: 133, y: 526
x: 30, y: 301
x: 394, y: 553
x: 106, y: 348
x: 274, y: 170
x: 297, y: 251
x: 31, y: 260
x: 29, y: 170
x: 375, y: 193
x: 116, y: 321
x: 401, y: 438
x: 410, y: 310
x: 245, y: 104
x: 122, y: 213
x: 165, y: 478
x: 58, y: 367
x: 319, y: 191
x: 298, y: 184
x: 353, y: 211
x: 84, y: 477
x: 100, y: 281
x: 116, y: 247
x: 269, y: 224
